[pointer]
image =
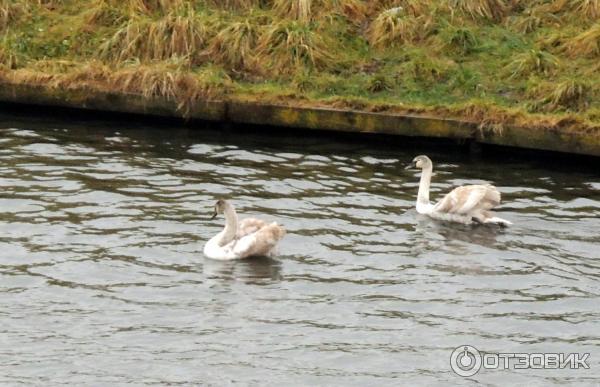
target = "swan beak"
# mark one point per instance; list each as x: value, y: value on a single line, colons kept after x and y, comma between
x: 214, y: 216
x: 410, y: 166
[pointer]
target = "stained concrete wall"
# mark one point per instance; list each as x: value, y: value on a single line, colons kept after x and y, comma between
x: 585, y: 142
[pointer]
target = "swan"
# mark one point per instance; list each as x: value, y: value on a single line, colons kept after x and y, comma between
x: 248, y: 238
x: 467, y: 204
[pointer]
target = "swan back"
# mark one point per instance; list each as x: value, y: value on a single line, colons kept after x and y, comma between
x: 469, y: 198
x: 249, y: 226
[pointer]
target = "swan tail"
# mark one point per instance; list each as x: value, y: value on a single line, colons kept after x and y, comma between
x: 261, y: 243
x: 277, y: 231
x: 267, y: 239
x: 497, y: 220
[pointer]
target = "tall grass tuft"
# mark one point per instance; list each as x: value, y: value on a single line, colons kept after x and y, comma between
x: 478, y: 9
x: 152, y: 6
x: 167, y: 80
x: 588, y: 9
x: 290, y: 46
x: 458, y: 38
x: 147, y: 39
x: 533, y: 18
x: 415, y: 7
x: 8, y: 59
x: 294, y: 9
x: 355, y: 11
x: 533, y: 61
x: 172, y: 82
x: 91, y: 74
x: 235, y: 46
x: 49, y: 4
x: 571, y: 94
x: 311, y: 10
x: 10, y: 11
x: 104, y: 13
x: 586, y: 43
x: 394, y: 27
x: 234, y: 4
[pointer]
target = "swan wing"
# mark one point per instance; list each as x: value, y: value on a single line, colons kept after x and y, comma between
x: 259, y: 243
x: 468, y: 198
x: 249, y: 226
x: 213, y: 250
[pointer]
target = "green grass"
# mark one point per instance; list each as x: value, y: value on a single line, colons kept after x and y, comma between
x: 537, y: 57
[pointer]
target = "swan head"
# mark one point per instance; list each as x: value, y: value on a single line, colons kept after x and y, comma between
x: 420, y: 162
x: 220, y: 207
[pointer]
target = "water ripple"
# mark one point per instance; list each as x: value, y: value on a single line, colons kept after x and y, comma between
x: 103, y: 279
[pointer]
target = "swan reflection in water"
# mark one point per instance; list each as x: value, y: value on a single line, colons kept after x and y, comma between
x: 427, y: 229
x: 250, y: 270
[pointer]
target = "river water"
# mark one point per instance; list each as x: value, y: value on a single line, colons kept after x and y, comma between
x: 103, y: 280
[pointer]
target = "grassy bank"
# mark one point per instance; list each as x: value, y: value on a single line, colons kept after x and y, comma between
x: 495, y: 62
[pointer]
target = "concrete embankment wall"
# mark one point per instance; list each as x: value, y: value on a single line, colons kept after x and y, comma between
x: 585, y: 142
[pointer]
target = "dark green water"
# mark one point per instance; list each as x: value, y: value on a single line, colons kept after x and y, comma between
x: 103, y: 281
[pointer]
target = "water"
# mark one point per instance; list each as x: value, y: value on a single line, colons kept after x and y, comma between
x: 103, y: 280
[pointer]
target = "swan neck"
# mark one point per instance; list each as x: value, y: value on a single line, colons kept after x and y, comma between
x: 231, y: 226
x: 423, y: 195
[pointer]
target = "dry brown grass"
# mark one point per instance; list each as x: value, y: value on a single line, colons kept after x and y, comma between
x: 533, y: 61
x: 152, y: 6
x: 48, y: 4
x: 53, y: 66
x: 415, y: 7
x: 164, y: 80
x: 30, y: 77
x: 59, y: 73
x: 588, y: 9
x: 290, y: 46
x: 173, y: 83
x: 356, y: 11
x: 8, y: 59
x: 294, y: 9
x: 481, y: 9
x: 91, y: 74
x: 147, y: 39
x: 104, y: 13
x: 234, y: 4
x: 105, y: 8
x: 569, y: 94
x: 155, y: 81
x: 533, y: 18
x: 394, y: 27
x: 235, y: 46
x: 586, y: 43
x: 10, y: 11
x: 490, y: 118
x: 577, y: 10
